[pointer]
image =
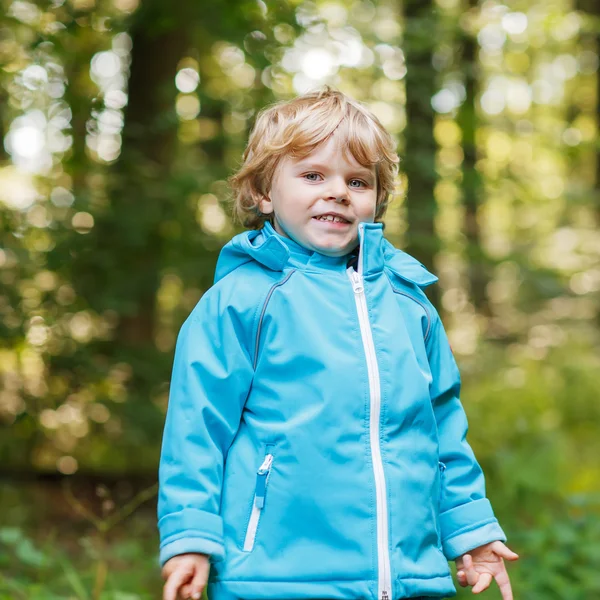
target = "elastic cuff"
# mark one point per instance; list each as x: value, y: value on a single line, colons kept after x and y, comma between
x: 191, y: 544
x: 465, y: 542
x: 465, y: 517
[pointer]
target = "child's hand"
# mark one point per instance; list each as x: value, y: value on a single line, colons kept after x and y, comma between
x: 186, y: 576
x: 481, y: 565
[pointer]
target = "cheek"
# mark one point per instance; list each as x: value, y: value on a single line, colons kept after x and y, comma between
x: 368, y: 209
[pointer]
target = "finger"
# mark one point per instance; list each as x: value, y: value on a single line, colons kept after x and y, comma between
x: 462, y: 578
x: 185, y: 591
x: 470, y: 572
x: 501, y: 550
x: 175, y: 581
x: 198, y: 584
x: 483, y: 584
x: 504, y: 584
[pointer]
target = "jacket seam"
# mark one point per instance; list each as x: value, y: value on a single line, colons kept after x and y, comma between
x: 262, y: 314
x: 421, y: 304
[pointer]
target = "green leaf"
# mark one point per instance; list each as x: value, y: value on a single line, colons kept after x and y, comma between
x: 28, y: 554
x: 75, y: 580
x: 10, y: 535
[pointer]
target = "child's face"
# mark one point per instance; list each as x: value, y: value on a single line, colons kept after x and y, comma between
x: 326, y: 182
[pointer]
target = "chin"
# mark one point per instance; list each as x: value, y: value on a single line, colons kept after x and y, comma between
x: 333, y: 251
x: 333, y: 248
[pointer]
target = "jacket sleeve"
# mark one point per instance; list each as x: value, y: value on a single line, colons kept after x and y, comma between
x: 466, y: 516
x: 211, y: 378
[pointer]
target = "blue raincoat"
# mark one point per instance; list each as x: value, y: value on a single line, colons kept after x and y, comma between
x: 314, y: 444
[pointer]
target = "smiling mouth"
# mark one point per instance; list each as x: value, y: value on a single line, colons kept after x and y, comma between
x: 331, y: 218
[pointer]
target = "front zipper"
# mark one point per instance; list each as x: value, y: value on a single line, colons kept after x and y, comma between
x: 385, y: 579
x: 258, y: 503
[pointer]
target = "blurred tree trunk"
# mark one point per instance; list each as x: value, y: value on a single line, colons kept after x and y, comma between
x: 4, y: 156
x: 595, y: 12
x: 214, y: 109
x: 592, y: 39
x: 419, y: 156
x: 472, y: 186
x: 77, y: 47
x: 123, y: 253
x: 160, y: 36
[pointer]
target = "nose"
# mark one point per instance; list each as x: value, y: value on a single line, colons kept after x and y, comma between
x: 338, y: 191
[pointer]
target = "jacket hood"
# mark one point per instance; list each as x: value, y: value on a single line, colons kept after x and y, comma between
x: 266, y: 247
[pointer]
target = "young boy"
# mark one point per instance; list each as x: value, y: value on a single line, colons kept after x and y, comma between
x: 314, y: 445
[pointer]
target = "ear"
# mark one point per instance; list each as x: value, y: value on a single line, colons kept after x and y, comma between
x: 266, y: 205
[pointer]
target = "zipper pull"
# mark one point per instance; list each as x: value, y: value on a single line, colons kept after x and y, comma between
x: 357, y: 283
x: 261, y: 481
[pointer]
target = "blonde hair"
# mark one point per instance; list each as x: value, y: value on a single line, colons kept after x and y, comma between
x: 296, y: 127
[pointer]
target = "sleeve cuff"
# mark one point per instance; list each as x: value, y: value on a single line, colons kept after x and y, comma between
x: 468, y: 526
x: 191, y: 530
x: 191, y: 544
x: 465, y: 542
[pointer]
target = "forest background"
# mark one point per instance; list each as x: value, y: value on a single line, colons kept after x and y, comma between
x: 121, y: 121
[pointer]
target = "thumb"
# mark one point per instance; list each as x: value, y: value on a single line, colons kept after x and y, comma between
x: 501, y: 550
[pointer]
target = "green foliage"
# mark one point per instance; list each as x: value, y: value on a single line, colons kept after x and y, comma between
x: 72, y: 569
x: 83, y: 557
x: 559, y: 555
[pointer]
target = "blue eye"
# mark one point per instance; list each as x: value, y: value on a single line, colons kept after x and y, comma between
x: 361, y: 183
x: 310, y: 176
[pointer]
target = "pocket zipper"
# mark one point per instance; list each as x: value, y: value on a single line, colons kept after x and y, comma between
x: 258, y: 503
x: 442, y: 469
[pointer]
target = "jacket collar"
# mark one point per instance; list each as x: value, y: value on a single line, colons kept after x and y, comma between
x: 275, y: 252
x: 376, y: 253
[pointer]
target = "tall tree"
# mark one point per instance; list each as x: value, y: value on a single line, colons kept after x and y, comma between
x: 419, y: 160
x: 5, y: 57
x: 122, y: 253
x: 472, y: 186
x: 592, y: 39
x: 3, y: 99
x: 76, y: 46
